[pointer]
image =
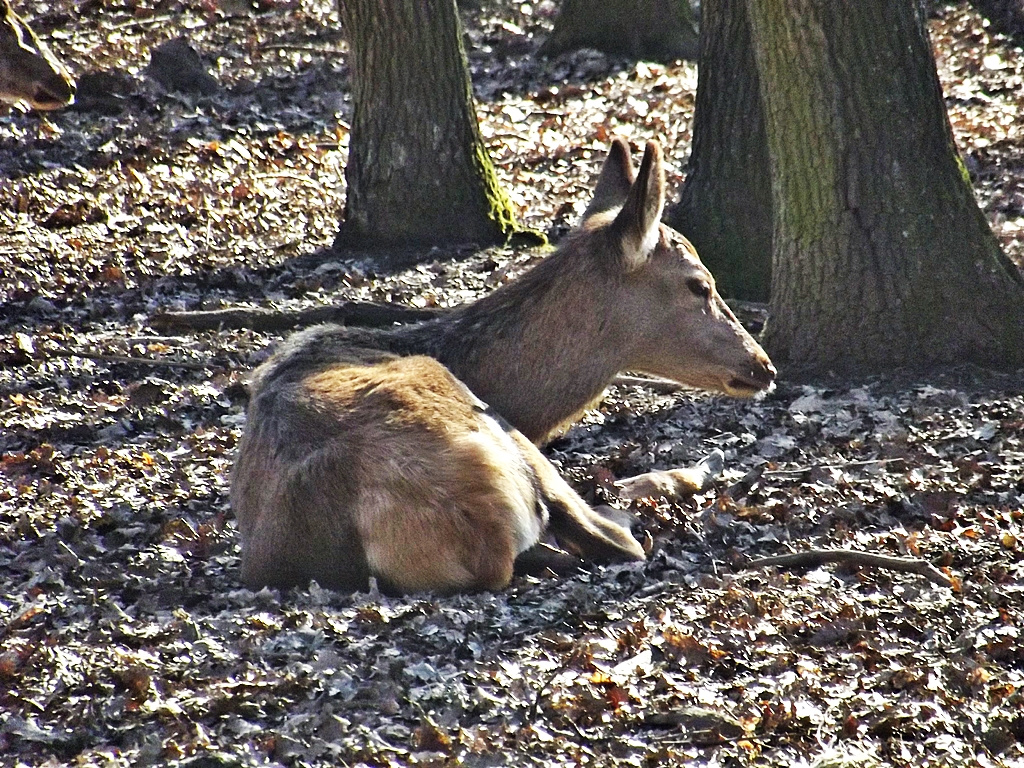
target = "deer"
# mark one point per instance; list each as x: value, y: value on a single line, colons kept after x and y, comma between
x: 410, y: 454
x: 28, y: 71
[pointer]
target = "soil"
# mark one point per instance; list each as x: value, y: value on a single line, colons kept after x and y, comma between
x: 126, y: 638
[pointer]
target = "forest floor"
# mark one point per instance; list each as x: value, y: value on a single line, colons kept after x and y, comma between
x: 126, y: 638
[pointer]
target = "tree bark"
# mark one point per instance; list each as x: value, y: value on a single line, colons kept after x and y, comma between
x: 655, y: 30
x: 418, y: 172
x: 882, y: 258
x: 725, y: 205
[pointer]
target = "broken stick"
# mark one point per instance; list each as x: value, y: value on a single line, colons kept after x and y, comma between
x: 815, y: 557
x: 262, y: 319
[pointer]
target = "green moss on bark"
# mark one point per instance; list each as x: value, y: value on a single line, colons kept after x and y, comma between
x: 419, y: 173
x: 808, y: 198
x: 725, y: 204
x: 882, y: 258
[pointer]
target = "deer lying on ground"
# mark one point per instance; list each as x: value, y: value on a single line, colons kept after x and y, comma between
x: 28, y: 71
x: 408, y: 454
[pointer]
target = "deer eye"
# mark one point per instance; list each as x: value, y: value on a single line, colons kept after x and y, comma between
x: 699, y: 288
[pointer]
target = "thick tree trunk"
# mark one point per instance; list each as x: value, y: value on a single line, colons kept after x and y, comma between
x: 656, y: 30
x: 418, y: 172
x: 882, y: 258
x: 725, y: 205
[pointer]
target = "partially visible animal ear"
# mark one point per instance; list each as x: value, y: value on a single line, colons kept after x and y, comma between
x: 638, y: 225
x: 615, y: 180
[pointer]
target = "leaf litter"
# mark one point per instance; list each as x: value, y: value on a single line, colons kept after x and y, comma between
x: 125, y: 636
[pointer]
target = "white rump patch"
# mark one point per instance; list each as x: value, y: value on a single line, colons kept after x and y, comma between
x: 514, y: 478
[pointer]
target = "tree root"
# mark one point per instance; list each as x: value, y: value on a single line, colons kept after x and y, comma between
x: 815, y: 557
x: 262, y: 319
x: 153, y: 362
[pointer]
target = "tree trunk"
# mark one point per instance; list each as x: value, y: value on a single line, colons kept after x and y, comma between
x: 882, y: 258
x: 655, y: 30
x: 418, y: 172
x: 725, y: 205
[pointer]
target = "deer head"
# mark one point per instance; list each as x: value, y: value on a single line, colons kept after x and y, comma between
x: 671, y: 319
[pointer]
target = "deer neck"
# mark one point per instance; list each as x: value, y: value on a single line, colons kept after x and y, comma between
x: 535, y: 350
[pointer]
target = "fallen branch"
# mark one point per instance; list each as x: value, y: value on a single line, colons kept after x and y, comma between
x: 835, y: 465
x: 262, y: 319
x: 320, y: 50
x: 151, y: 20
x: 154, y: 362
x: 815, y: 557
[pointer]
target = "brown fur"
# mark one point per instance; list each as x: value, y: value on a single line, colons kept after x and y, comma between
x: 28, y: 71
x: 382, y: 453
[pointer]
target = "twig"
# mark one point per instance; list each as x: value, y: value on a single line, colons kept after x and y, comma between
x: 497, y: 138
x: 584, y: 738
x: 816, y: 557
x: 128, y: 360
x: 837, y: 465
x: 688, y: 740
x: 140, y: 22
x: 322, y: 51
x: 150, y: 339
x: 290, y: 176
x: 262, y: 319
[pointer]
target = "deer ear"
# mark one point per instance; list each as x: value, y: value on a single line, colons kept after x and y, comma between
x: 638, y: 223
x: 615, y: 180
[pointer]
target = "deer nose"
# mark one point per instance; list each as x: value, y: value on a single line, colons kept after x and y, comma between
x: 765, y: 373
x: 757, y: 378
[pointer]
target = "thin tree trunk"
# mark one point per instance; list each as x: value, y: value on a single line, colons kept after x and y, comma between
x: 658, y: 30
x: 418, y: 172
x: 882, y: 258
x: 725, y: 204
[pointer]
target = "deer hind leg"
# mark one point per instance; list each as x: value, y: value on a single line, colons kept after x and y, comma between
x: 455, y: 517
x: 673, y: 484
x: 578, y: 528
x: 293, y: 518
x: 418, y: 511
